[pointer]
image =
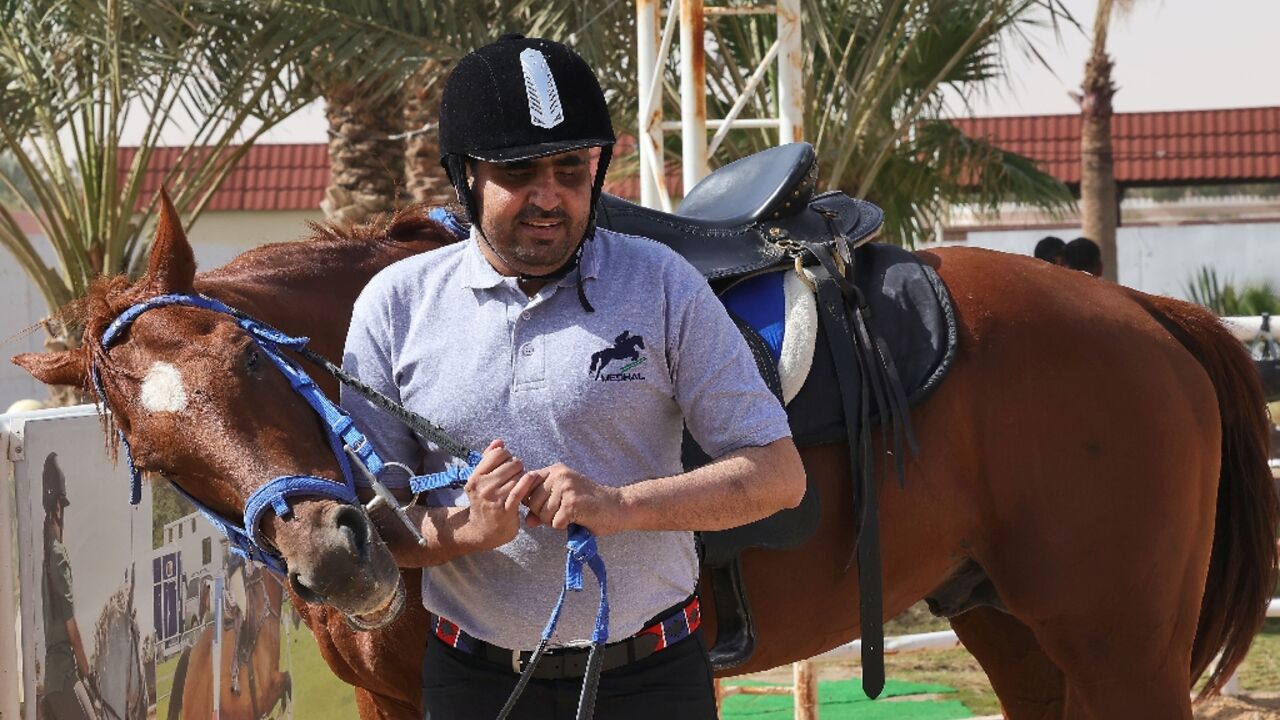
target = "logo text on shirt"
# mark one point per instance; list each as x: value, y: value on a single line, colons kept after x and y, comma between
x: 626, y: 348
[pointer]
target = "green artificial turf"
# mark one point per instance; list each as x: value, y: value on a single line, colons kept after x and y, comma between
x: 844, y: 700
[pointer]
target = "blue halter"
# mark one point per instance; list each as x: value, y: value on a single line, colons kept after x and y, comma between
x: 246, y: 539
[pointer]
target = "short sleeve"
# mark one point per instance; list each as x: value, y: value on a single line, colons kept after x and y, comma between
x: 725, y: 402
x: 59, y: 578
x: 369, y: 355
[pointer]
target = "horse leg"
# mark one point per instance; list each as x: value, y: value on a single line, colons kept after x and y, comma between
x: 1109, y: 583
x: 1029, y: 685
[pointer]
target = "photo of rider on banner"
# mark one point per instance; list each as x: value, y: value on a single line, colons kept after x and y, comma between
x: 84, y: 590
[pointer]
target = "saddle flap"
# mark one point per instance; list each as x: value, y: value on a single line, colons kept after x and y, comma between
x: 768, y: 184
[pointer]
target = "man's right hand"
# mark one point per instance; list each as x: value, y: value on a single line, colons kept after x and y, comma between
x: 495, y: 490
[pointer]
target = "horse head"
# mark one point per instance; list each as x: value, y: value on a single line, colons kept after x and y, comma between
x: 196, y: 402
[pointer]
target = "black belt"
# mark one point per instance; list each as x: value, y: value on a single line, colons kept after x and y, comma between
x: 667, y: 629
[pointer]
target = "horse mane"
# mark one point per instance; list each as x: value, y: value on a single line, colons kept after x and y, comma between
x: 387, y: 237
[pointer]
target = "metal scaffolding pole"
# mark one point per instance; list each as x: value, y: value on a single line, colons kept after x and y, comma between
x: 652, y: 55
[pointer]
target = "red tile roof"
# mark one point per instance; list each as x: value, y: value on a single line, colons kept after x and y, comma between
x: 1182, y: 147
x: 268, y: 177
x: 294, y: 177
x: 1189, y: 147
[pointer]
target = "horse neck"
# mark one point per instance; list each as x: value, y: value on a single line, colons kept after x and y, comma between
x: 303, y: 293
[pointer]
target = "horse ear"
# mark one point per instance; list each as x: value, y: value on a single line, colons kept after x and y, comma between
x: 172, y: 265
x: 64, y: 367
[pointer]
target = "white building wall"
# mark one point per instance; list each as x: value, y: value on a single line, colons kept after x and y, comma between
x: 1164, y: 259
x: 216, y: 238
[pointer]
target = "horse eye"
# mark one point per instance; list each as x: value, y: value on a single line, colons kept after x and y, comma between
x: 252, y: 361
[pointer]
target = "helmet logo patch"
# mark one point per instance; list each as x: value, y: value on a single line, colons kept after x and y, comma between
x: 545, y: 110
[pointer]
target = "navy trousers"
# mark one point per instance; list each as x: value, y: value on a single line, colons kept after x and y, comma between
x: 672, y: 684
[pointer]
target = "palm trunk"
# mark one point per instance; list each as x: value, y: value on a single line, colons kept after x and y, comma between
x: 425, y: 180
x: 1099, y: 197
x: 366, y: 154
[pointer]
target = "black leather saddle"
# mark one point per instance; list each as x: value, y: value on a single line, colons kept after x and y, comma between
x: 739, y: 219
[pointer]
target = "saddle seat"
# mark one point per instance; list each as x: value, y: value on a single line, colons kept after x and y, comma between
x: 754, y: 188
x: 737, y: 220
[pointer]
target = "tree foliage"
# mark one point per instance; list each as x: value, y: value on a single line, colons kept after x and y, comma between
x: 75, y: 73
x: 1226, y: 299
x: 879, y: 75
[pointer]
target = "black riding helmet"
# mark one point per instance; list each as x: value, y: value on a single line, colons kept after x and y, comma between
x: 54, y: 492
x: 519, y: 99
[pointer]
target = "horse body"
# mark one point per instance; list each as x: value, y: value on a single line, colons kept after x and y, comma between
x: 1053, y: 458
x: 1063, y: 505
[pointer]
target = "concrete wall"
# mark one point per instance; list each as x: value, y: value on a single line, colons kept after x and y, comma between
x: 1163, y: 259
x: 216, y: 237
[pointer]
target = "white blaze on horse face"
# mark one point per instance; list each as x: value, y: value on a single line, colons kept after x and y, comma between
x: 162, y: 389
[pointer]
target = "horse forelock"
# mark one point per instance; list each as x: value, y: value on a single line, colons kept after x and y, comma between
x: 104, y: 301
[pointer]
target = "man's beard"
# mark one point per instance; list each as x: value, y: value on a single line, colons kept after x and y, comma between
x: 534, y: 254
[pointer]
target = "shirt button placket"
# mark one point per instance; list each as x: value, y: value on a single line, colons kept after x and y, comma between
x: 528, y: 356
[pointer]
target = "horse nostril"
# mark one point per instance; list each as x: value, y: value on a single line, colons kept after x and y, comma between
x: 301, y: 590
x: 351, y: 522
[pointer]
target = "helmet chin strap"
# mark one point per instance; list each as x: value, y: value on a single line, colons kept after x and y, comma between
x: 574, y: 262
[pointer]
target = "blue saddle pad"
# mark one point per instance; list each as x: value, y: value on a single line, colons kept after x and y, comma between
x: 761, y: 303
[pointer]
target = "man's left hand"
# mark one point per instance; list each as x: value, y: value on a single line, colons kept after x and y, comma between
x: 566, y: 496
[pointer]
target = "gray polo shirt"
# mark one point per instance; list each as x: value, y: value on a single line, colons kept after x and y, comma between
x: 605, y: 393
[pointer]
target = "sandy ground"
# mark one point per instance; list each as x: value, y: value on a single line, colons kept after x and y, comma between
x: 1240, y: 708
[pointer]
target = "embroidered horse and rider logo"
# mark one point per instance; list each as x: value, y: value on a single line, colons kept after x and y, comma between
x: 626, y: 347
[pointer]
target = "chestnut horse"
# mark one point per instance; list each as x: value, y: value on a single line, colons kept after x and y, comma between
x: 262, y: 684
x: 1094, y: 469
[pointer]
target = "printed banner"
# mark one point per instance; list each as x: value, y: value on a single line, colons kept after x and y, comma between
x: 117, y: 607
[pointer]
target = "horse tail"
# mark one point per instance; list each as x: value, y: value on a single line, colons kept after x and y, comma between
x: 1242, y: 565
x: 179, y: 684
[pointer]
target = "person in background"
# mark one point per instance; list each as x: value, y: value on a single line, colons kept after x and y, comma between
x: 65, y: 663
x: 1049, y: 249
x: 1084, y: 255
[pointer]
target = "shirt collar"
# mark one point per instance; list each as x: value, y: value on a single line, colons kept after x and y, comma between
x: 478, y: 274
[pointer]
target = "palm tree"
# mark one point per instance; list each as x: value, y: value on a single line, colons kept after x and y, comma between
x: 73, y: 73
x: 425, y: 181
x: 876, y: 108
x: 366, y: 152
x: 1099, y: 196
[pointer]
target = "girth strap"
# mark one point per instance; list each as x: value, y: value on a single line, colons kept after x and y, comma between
x: 841, y: 339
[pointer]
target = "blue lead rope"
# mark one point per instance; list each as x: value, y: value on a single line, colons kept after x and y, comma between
x: 581, y: 552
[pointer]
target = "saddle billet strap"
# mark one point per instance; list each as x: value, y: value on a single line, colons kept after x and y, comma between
x: 843, y: 343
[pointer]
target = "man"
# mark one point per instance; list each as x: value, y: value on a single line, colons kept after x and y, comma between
x: 1084, y: 255
x: 581, y: 351
x: 65, y: 663
x: 1049, y: 249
